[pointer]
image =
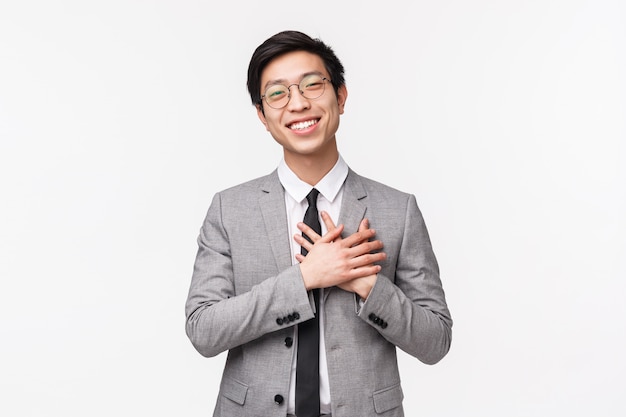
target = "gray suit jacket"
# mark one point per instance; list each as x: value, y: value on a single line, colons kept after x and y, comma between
x: 246, y: 297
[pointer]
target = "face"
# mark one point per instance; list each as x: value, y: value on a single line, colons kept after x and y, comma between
x: 304, y: 127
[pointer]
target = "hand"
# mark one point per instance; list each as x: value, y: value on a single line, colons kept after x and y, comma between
x: 361, y: 286
x: 332, y: 260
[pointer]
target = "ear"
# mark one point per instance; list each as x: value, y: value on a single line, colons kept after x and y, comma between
x: 261, y: 115
x: 342, y: 96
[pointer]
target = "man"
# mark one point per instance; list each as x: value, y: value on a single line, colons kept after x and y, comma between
x: 270, y: 297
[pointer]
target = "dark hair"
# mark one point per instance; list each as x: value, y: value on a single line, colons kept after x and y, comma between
x: 290, y: 41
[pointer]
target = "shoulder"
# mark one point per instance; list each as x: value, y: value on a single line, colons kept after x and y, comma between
x: 375, y: 189
x: 265, y: 183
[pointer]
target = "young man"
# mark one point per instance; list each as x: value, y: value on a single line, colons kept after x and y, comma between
x: 311, y: 326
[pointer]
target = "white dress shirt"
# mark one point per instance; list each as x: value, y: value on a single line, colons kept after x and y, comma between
x: 329, y: 200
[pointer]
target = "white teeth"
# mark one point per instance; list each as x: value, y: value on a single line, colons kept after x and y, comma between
x: 302, y: 125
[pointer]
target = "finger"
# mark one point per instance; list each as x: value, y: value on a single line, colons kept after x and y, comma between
x: 327, y: 238
x: 365, y: 248
x: 304, y: 228
x: 328, y: 221
x: 300, y: 240
x: 367, y: 260
x: 363, y: 271
x: 330, y: 236
x: 364, y: 225
x: 358, y: 237
x: 333, y: 235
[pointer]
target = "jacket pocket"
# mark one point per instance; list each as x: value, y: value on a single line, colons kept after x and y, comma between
x: 234, y: 390
x: 388, y: 398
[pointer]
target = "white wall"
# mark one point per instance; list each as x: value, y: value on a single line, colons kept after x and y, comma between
x: 119, y: 120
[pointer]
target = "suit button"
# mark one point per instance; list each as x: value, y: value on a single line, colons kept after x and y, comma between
x: 290, y: 317
x: 288, y: 342
x: 278, y: 399
x: 279, y: 321
x: 383, y: 325
x: 296, y: 316
x: 372, y: 317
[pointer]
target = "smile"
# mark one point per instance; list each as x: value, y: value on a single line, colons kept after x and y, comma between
x: 303, y: 125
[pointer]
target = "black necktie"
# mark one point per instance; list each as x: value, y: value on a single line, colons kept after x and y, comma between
x: 307, y: 370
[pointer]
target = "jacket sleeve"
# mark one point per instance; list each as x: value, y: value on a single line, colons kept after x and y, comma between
x: 409, y: 307
x: 220, y: 316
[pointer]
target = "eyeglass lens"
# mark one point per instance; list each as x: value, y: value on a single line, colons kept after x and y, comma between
x: 311, y: 87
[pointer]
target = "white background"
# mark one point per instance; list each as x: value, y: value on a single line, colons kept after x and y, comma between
x: 119, y: 120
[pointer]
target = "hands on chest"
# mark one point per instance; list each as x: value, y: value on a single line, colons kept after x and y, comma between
x: 334, y: 261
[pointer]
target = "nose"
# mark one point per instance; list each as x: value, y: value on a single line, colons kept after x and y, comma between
x: 297, y: 101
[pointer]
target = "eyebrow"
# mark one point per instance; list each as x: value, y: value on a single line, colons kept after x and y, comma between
x: 284, y: 81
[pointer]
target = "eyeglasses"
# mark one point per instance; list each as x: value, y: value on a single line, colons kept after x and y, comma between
x: 311, y: 87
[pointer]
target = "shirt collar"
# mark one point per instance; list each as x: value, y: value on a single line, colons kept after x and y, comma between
x: 328, y: 186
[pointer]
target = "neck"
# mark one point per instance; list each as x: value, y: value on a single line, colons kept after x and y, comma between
x: 311, y: 168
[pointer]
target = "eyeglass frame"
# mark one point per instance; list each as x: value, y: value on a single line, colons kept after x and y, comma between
x: 288, y: 87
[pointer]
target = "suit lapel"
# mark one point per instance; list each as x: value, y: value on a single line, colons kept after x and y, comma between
x: 353, y: 206
x: 272, y: 204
